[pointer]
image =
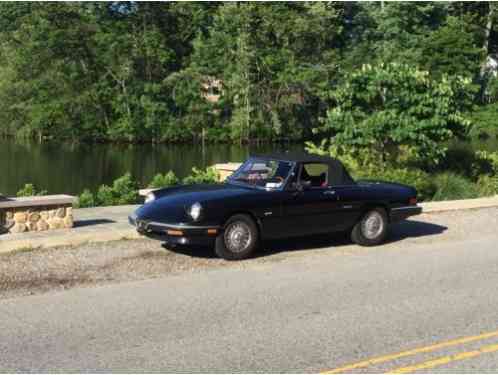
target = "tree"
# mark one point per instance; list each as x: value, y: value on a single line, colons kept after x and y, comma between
x: 387, y: 109
x: 273, y: 60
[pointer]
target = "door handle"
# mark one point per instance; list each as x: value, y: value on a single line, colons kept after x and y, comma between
x: 329, y: 192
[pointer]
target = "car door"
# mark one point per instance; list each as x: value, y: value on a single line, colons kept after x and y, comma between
x: 313, y: 208
x: 350, y: 201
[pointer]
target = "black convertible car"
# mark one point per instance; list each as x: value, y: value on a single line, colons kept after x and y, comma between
x: 275, y: 196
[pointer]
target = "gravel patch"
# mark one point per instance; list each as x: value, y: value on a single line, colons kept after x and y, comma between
x: 40, y: 270
x: 35, y: 271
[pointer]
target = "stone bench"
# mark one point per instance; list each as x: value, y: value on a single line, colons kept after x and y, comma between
x: 29, y: 214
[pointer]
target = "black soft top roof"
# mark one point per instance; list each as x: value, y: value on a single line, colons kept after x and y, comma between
x: 338, y: 175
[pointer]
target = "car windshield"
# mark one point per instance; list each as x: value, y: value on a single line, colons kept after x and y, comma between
x: 263, y: 173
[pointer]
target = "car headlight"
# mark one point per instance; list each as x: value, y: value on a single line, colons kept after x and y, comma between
x: 195, y: 211
x: 150, y: 197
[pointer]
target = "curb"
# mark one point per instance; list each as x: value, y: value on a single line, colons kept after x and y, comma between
x: 458, y: 205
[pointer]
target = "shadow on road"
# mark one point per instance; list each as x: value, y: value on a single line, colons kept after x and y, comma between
x: 398, y: 232
x: 413, y: 228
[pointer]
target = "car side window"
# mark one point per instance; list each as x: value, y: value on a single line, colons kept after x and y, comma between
x: 314, y: 175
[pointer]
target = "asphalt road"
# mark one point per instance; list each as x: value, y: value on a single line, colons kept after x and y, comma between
x: 425, y: 303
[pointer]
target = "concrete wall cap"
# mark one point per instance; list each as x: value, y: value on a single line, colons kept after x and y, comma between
x: 44, y: 200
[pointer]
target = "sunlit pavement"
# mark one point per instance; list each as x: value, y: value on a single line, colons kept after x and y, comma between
x: 425, y: 302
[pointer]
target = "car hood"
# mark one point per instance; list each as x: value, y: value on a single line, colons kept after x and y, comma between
x: 171, y: 204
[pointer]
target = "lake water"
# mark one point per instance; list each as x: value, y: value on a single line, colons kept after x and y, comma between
x: 70, y: 168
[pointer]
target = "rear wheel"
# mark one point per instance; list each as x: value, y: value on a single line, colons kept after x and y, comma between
x: 239, y: 239
x: 371, y: 230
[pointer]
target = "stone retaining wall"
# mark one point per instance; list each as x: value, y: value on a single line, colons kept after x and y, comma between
x: 36, y: 219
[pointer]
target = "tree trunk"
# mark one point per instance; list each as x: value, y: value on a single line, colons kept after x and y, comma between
x: 487, y: 32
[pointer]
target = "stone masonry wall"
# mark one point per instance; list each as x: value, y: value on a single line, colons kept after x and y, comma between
x: 35, y: 219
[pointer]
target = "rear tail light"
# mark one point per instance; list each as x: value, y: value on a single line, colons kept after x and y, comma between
x: 412, y: 201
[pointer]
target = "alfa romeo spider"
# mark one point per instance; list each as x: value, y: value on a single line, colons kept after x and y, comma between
x: 273, y: 197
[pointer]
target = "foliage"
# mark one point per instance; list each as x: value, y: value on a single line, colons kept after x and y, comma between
x: 487, y: 185
x: 30, y: 190
x: 487, y: 168
x: 123, y: 191
x: 199, y: 176
x: 86, y: 199
x: 386, y: 107
x: 486, y: 121
x: 164, y: 180
x: 451, y: 186
x: 140, y: 71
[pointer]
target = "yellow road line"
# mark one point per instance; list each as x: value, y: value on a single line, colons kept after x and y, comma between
x: 445, y: 360
x: 423, y: 349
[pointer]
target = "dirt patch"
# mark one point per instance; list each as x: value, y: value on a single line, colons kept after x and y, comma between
x: 42, y: 270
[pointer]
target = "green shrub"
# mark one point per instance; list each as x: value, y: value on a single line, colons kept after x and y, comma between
x: 164, y: 180
x: 123, y: 191
x: 485, y: 121
x: 486, y: 166
x: 384, y: 107
x: 199, y: 176
x: 452, y: 186
x: 487, y: 185
x: 86, y: 199
x: 30, y: 190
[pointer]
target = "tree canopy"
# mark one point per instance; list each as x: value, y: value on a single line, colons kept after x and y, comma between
x: 166, y: 72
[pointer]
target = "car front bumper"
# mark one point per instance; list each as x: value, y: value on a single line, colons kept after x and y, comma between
x: 180, y: 234
x: 401, y: 213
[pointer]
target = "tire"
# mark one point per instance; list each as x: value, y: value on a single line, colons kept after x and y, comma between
x: 239, y: 239
x: 371, y: 230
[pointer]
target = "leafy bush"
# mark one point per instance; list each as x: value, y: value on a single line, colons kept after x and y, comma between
x: 381, y: 108
x: 164, y: 180
x: 487, y: 168
x: 208, y: 176
x: 485, y: 121
x: 487, y: 185
x: 451, y: 186
x: 86, y: 199
x: 30, y: 190
x: 123, y: 191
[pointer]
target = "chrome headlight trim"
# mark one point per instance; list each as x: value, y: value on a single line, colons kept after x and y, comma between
x: 195, y: 211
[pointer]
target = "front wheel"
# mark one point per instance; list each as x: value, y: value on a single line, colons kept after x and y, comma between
x: 371, y: 230
x: 239, y: 239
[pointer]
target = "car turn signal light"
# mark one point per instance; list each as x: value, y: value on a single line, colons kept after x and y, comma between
x: 172, y: 232
x: 412, y: 201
